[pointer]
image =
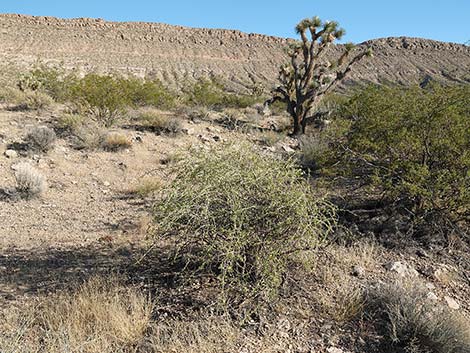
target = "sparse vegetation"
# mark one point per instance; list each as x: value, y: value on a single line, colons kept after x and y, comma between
x: 159, y: 122
x: 115, y: 141
x: 241, y: 216
x: 41, y: 138
x: 101, y: 316
x: 411, y: 322
x: 29, y: 182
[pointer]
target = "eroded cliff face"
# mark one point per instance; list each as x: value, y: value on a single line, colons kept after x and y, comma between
x: 176, y: 54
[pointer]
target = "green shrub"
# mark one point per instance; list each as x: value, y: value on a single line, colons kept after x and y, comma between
x: 102, y: 97
x: 55, y: 82
x: 415, y: 145
x: 241, y: 215
x: 210, y: 93
x: 148, y: 93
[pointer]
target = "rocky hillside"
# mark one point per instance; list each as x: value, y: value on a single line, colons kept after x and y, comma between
x: 177, y: 54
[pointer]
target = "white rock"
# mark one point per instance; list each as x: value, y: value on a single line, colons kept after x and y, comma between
x: 403, y: 270
x: 452, y: 303
x: 432, y: 296
x: 106, y: 183
x: 11, y: 154
x: 335, y: 350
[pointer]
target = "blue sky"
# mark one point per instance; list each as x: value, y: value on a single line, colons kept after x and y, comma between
x: 447, y: 20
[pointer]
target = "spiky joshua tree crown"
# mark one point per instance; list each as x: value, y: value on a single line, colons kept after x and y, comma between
x: 308, y: 76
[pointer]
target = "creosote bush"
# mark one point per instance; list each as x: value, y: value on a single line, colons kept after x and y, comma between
x: 212, y: 94
x: 241, y: 215
x: 41, y: 138
x: 414, y: 144
x: 29, y: 182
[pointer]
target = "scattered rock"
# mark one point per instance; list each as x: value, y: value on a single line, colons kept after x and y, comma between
x: 106, y: 183
x: 452, y: 303
x: 11, y: 154
x: 432, y: 296
x: 403, y: 270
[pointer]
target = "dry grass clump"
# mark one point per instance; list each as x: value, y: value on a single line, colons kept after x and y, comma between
x: 270, y: 138
x: 29, y: 182
x: 158, y: 122
x: 241, y: 216
x: 115, y: 141
x: 101, y: 316
x: 70, y: 122
x: 411, y: 322
x: 88, y: 137
x: 27, y: 100
x: 147, y: 187
x: 41, y: 138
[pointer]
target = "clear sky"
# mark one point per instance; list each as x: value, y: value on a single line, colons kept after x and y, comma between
x: 446, y: 20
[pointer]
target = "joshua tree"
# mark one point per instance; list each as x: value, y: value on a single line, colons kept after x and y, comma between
x: 309, y: 75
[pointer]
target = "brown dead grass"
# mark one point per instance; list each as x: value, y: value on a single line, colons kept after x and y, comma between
x: 100, y: 316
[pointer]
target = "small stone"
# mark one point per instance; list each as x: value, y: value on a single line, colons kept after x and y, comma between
x: 430, y: 286
x: 216, y: 138
x: 11, y: 154
x: 335, y: 350
x: 452, y: 303
x: 106, y: 183
x: 432, y: 296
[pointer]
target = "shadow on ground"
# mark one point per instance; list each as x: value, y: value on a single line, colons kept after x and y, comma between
x: 40, y: 272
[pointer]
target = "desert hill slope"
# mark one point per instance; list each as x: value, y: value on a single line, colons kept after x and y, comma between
x: 177, y: 54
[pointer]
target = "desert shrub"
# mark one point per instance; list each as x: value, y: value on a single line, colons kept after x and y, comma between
x: 241, y: 216
x: 70, y: 122
x: 211, y: 93
x: 100, y: 316
x: 115, y: 141
x: 53, y: 81
x: 155, y: 121
x: 30, y: 100
x: 88, y: 137
x: 411, y: 322
x: 106, y: 97
x: 29, y: 182
x: 148, y: 93
x: 102, y: 97
x: 414, y: 144
x: 41, y: 138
